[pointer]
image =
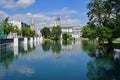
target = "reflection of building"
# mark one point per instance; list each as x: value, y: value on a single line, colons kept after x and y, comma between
x: 58, y: 22
x: 75, y: 31
x: 74, y: 47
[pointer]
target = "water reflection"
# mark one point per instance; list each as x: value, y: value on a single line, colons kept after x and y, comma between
x: 103, y: 69
x: 102, y: 65
x: 74, y: 58
x: 65, y: 46
x: 8, y: 53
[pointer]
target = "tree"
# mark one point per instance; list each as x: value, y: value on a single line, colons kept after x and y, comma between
x: 88, y: 32
x: 5, y: 25
x: 27, y: 32
x: 56, y: 33
x: 104, y: 14
x: 46, y: 32
x: 66, y: 36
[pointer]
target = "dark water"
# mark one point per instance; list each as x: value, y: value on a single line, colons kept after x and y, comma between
x: 61, y: 60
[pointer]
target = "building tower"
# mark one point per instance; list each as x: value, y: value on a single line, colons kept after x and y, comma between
x: 32, y: 25
x: 58, y: 22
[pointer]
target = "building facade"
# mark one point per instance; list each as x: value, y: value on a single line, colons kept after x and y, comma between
x: 58, y: 22
x: 19, y: 24
x: 75, y: 31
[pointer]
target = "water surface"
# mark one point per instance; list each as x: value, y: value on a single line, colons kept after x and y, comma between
x: 58, y: 60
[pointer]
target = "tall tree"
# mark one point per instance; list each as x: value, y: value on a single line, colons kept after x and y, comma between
x: 104, y: 14
x: 56, y: 33
x: 46, y: 32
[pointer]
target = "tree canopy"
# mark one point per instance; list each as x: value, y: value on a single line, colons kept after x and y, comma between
x: 54, y: 33
x: 104, y: 20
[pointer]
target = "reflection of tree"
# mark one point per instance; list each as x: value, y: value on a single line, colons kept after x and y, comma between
x: 96, y: 51
x: 102, y: 65
x: 89, y: 46
x: 66, y: 42
x: 56, y: 47
x: 46, y: 45
x: 103, y: 69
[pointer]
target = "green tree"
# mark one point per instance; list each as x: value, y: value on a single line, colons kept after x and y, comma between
x: 66, y: 36
x: 56, y: 33
x: 104, y: 14
x: 5, y: 25
x: 27, y: 32
x: 46, y: 32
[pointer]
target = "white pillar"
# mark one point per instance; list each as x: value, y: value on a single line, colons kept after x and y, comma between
x: 35, y: 43
x: 15, y: 42
x: 34, y: 38
x: 41, y: 39
x: 25, y: 40
x: 31, y: 40
x: 16, y: 51
x: 25, y: 47
x: 31, y: 45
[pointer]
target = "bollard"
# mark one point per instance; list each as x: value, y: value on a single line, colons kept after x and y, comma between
x: 31, y: 40
x: 25, y: 40
x: 15, y: 42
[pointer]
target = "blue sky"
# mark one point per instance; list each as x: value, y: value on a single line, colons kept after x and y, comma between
x: 44, y: 12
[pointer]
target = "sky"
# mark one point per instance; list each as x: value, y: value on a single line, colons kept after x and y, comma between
x: 44, y: 12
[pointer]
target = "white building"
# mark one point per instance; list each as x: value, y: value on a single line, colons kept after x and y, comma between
x: 75, y: 31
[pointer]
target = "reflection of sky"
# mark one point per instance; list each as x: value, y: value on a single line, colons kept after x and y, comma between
x: 43, y: 65
x: 25, y: 70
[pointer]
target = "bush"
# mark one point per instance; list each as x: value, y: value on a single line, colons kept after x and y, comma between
x: 66, y: 36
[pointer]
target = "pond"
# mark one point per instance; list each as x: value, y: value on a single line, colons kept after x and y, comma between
x: 58, y: 60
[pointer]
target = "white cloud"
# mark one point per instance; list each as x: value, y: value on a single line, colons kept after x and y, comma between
x: 42, y: 19
x: 83, y: 14
x: 62, y: 11
x: 16, y: 4
x: 71, y: 22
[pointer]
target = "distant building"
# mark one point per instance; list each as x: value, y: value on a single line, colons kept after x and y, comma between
x: 19, y: 24
x: 2, y: 34
x: 75, y: 31
x: 25, y: 25
x: 32, y: 25
x: 58, y: 22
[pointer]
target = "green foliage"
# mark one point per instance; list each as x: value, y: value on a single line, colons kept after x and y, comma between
x: 46, y: 32
x: 27, y: 32
x: 66, y: 36
x: 102, y: 33
x: 104, y: 20
x: 56, y: 33
x: 88, y: 32
x: 10, y: 28
x: 6, y: 25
